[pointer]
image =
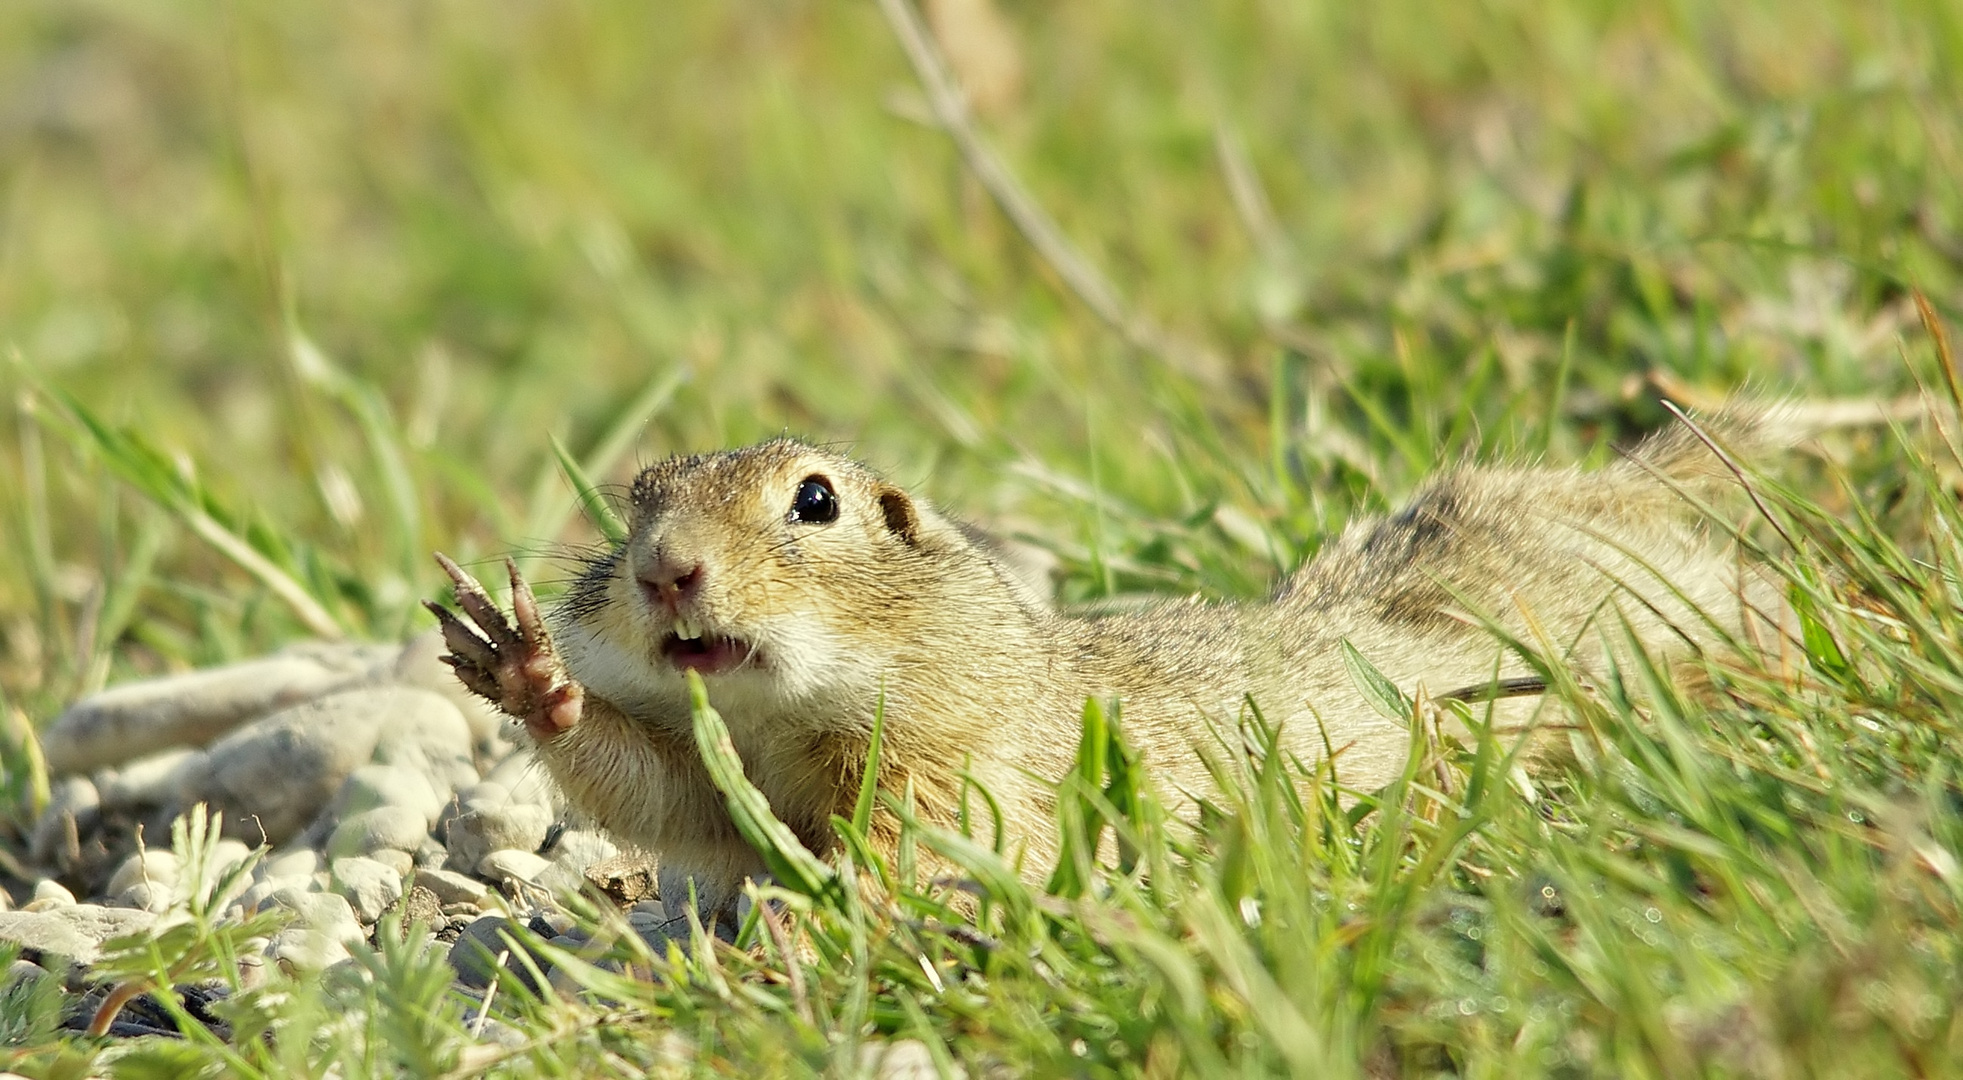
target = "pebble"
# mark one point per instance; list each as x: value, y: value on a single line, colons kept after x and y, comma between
x: 527, y: 781
x: 153, y: 867
x: 578, y: 849
x: 144, y: 896
x: 21, y: 971
x: 384, y: 828
x: 484, y: 827
x: 149, y: 782
x: 513, y: 865
x: 474, y: 956
x: 127, y: 722
x: 76, y: 932
x: 369, y: 887
x: 73, y: 807
x: 419, y: 905
x: 419, y: 665
x: 329, y: 913
x: 451, y: 887
x: 372, y: 786
x: 300, y: 948
x: 401, y: 862
x: 52, y: 893
x: 276, y: 773
x: 293, y: 863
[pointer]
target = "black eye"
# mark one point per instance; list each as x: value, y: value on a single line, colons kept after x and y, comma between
x: 815, y: 503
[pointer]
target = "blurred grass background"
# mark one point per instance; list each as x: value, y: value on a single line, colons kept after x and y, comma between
x: 335, y: 275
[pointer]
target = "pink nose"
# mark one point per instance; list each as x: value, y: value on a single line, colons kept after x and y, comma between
x: 669, y: 583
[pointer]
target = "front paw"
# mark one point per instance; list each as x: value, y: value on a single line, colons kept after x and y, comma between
x: 511, y: 663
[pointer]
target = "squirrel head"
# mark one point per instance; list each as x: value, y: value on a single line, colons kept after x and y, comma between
x: 780, y: 572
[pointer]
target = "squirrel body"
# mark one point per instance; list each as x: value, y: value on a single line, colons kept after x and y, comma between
x: 810, y: 593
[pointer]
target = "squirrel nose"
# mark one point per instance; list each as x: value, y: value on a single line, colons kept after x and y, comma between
x: 669, y: 582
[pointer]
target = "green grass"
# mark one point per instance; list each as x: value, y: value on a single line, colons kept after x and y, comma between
x: 295, y: 293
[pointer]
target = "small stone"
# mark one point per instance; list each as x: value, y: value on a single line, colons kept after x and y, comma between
x: 299, y: 948
x: 127, y: 722
x: 149, y: 782
x: 74, y: 806
x: 21, y: 971
x: 418, y: 905
x: 419, y: 664
x: 298, y: 863
x: 527, y: 781
x: 399, y: 861
x: 75, y: 932
x: 432, y: 855
x: 53, y: 893
x: 329, y: 913
x: 396, y: 828
x: 485, y: 827
x: 484, y: 792
x: 451, y: 887
x: 626, y: 878
x: 901, y: 1059
x: 513, y: 865
x: 373, y: 786
x: 276, y: 773
x: 579, y: 849
x: 42, y: 933
x: 369, y: 887
x: 475, y: 955
x: 153, y: 867
x: 144, y: 896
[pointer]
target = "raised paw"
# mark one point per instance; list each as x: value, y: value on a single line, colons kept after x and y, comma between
x: 508, y: 662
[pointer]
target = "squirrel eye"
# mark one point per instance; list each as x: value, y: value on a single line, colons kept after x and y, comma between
x: 815, y: 503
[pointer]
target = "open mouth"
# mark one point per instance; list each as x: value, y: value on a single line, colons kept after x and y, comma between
x: 689, y: 649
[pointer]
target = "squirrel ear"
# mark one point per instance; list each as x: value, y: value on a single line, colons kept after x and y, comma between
x: 901, y: 517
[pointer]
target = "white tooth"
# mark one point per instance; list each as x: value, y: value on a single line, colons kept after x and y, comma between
x: 686, y: 629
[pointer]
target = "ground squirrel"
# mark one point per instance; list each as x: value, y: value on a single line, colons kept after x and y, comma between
x: 802, y: 586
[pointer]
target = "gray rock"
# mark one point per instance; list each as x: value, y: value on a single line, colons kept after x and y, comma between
x: 292, y: 863
x: 486, y: 827
x: 432, y: 739
x: 475, y: 955
x: 390, y: 828
x: 299, y: 949
x: 144, y: 896
x: 52, y: 893
x: 126, y: 722
x: 451, y: 887
x: 260, y: 893
x: 432, y: 855
x: 152, y: 867
x: 512, y: 865
x: 368, y: 886
x: 329, y: 913
x: 577, y: 849
x: 275, y: 774
x: 401, y: 862
x: 418, y: 665
x: 42, y: 932
x: 74, y: 806
x: 373, y: 786
x: 18, y: 972
x: 484, y: 792
x: 526, y: 779
x: 149, y: 782
x: 76, y: 932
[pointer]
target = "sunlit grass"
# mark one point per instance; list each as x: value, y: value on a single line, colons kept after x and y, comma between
x: 294, y: 294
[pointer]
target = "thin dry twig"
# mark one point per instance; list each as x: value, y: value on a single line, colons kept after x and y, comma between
x: 949, y: 105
